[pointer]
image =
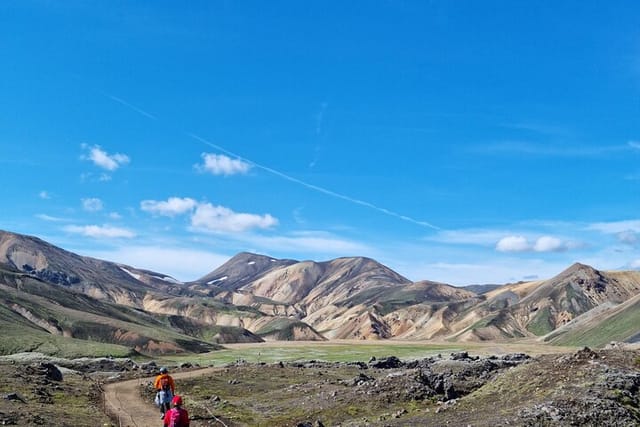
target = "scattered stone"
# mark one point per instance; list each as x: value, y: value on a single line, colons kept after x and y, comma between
x: 399, y: 413
x: 51, y: 372
x: 390, y: 362
x: 14, y: 396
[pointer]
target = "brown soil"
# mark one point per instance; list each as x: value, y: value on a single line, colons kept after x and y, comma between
x: 125, y: 404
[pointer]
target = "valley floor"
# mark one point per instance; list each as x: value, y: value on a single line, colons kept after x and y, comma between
x: 489, y: 385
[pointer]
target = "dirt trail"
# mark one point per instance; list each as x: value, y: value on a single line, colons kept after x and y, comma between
x: 123, y: 399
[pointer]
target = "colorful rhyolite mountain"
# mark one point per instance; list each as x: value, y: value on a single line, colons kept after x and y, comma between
x: 255, y: 297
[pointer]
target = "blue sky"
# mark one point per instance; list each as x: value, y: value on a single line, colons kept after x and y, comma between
x: 457, y: 141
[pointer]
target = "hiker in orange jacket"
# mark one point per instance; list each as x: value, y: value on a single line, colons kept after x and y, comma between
x: 165, y: 388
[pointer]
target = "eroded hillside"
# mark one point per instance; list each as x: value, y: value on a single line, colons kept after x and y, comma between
x: 254, y: 297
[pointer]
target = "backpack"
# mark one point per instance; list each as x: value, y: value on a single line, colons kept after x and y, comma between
x: 177, y: 417
x: 163, y: 397
x: 164, y: 383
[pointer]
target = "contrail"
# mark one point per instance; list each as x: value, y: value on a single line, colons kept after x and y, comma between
x: 314, y: 187
x: 133, y: 107
x: 283, y: 175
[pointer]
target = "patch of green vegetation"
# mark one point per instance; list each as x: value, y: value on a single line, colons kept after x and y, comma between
x: 281, y: 328
x: 615, y: 328
x: 322, y: 351
x: 542, y: 323
x: 74, y: 401
x: 209, y: 305
x: 366, y: 295
x: 499, y: 304
x: 17, y: 340
x: 287, y: 395
x: 482, y: 323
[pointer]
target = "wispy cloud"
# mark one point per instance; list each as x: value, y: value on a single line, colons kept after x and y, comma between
x: 50, y: 218
x: 298, y: 217
x: 100, y: 231
x: 317, y: 188
x: 496, y: 271
x: 546, y: 129
x: 179, y: 262
x: 468, y: 237
x: 615, y: 227
x: 104, y: 160
x: 549, y: 150
x: 219, y: 164
x: 222, y: 219
x: 320, y: 117
x: 628, y: 237
x: 634, y: 144
x: 285, y: 176
x: 173, y: 206
x: 92, y: 204
x: 44, y: 195
x: 317, y: 242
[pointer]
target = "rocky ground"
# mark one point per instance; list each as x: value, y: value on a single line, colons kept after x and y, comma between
x: 37, y: 390
x: 585, y: 388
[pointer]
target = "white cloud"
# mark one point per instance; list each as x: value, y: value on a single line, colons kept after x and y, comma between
x: 635, y: 264
x: 115, y: 215
x: 92, y: 204
x: 219, y: 164
x: 98, y: 231
x: 103, y: 159
x: 549, y: 244
x: 44, y: 195
x: 541, y: 244
x: 207, y: 217
x: 222, y: 219
x: 513, y: 244
x: 171, y: 207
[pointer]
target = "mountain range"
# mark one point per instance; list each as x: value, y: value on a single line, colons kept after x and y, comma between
x: 51, y: 299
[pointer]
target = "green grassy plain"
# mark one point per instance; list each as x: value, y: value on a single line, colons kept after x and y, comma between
x: 321, y: 351
x: 352, y: 351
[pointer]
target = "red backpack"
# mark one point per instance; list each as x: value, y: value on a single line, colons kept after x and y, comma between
x: 177, y: 417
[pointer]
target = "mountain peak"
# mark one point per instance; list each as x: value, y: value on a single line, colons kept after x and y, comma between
x: 578, y: 269
x: 241, y: 269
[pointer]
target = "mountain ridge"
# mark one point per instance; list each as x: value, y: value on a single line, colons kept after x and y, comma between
x: 256, y: 297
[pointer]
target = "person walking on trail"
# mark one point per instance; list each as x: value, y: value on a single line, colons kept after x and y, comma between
x: 165, y: 389
x: 176, y: 416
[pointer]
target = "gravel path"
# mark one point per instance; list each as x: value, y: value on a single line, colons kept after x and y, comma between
x: 123, y: 399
